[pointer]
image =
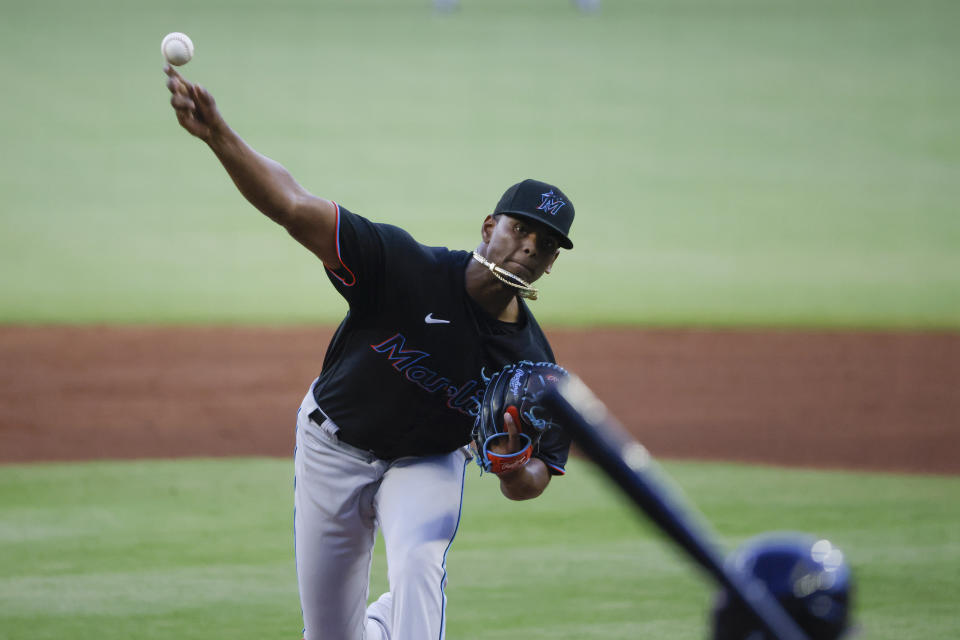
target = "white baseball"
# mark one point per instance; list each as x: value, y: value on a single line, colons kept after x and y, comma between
x: 177, y: 48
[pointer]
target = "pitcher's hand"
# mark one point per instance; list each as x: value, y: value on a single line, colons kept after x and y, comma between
x: 195, y: 107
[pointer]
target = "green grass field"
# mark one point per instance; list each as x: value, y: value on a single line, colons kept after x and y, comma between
x: 203, y: 549
x: 733, y: 162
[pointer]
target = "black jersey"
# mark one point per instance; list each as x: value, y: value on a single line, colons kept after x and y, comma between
x: 403, y: 374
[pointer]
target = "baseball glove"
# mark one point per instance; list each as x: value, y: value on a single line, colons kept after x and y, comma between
x: 516, y: 389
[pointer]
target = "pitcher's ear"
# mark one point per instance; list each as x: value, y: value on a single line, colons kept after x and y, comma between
x: 552, y: 261
x: 486, y: 230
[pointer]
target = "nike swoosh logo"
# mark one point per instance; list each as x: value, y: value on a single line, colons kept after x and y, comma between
x: 429, y: 319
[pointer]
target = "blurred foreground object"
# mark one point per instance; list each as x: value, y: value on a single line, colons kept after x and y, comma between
x: 807, y: 576
x: 777, y: 586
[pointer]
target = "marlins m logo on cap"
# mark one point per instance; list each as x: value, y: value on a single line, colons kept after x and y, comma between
x: 550, y: 203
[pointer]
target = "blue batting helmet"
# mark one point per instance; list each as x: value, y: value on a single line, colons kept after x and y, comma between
x: 807, y: 576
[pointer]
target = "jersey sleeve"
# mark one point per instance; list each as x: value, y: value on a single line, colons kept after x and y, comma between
x: 365, y: 251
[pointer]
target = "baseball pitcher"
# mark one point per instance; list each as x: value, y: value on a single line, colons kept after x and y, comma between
x: 383, y: 432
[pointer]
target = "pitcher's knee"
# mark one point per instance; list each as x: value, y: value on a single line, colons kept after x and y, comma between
x: 419, y: 566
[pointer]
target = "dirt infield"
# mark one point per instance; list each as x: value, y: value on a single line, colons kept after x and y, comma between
x: 886, y: 401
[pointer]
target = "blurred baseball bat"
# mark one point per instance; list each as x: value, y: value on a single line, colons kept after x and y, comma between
x: 628, y: 464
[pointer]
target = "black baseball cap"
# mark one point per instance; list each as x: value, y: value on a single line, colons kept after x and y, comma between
x: 541, y: 202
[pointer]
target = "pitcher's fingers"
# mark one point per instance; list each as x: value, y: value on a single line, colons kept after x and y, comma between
x: 204, y: 100
x: 180, y: 101
x: 185, y: 118
x: 172, y: 73
x: 175, y: 82
x: 510, y: 426
x: 177, y: 86
x: 189, y: 122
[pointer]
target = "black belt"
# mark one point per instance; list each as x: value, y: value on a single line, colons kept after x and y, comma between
x: 319, y: 417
